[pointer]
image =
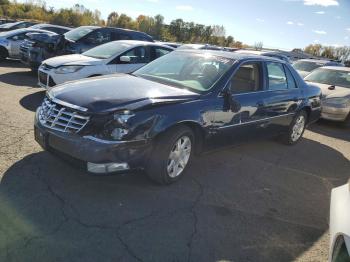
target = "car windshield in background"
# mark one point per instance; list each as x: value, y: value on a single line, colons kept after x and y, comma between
x: 196, y: 72
x: 330, y: 77
x: 76, y: 34
x: 107, y: 50
x: 306, y: 66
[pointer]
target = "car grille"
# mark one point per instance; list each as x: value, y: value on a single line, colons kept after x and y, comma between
x: 60, y: 118
x: 43, y: 79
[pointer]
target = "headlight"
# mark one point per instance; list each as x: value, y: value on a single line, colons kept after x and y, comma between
x: 117, y: 128
x: 337, y: 102
x: 68, y: 69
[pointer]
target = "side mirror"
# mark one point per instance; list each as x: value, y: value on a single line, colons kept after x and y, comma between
x: 232, y: 104
x: 125, y: 59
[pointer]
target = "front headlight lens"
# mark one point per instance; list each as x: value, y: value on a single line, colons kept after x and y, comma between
x: 117, y: 128
x: 68, y: 69
x: 337, y: 102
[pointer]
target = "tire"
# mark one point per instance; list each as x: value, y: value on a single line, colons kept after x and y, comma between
x: 296, y: 129
x: 167, y: 164
x: 346, y: 123
x: 3, y: 54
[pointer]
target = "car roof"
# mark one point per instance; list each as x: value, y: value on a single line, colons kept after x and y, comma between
x: 141, y: 43
x: 230, y: 55
x: 338, y: 68
x: 38, y: 26
x: 315, y: 61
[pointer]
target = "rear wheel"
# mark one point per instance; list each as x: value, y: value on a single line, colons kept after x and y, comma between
x: 171, y: 155
x: 296, y: 129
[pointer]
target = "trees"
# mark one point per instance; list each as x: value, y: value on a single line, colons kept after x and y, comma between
x: 341, y: 53
x: 178, y: 30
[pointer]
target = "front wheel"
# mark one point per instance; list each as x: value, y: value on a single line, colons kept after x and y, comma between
x: 171, y: 155
x: 296, y: 129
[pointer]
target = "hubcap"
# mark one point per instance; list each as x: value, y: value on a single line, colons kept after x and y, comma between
x: 179, y: 156
x: 298, y: 128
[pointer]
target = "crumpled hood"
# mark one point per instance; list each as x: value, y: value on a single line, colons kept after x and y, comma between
x: 75, y: 59
x: 337, y: 92
x: 119, y: 91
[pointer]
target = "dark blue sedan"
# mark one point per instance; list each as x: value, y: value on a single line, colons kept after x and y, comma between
x: 159, y: 116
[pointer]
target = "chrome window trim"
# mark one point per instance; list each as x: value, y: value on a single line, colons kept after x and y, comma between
x: 63, y: 103
x: 254, y: 121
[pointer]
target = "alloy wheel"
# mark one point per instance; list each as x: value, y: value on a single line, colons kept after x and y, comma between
x: 179, y: 156
x: 298, y: 128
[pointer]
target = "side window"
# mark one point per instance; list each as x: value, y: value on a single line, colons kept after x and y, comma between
x: 138, y: 55
x: 159, y: 51
x: 247, y: 78
x: 276, y: 76
x: 19, y: 37
x: 290, y: 78
x: 98, y: 37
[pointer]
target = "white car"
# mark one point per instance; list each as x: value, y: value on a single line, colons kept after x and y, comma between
x: 334, y: 82
x: 340, y: 224
x: 123, y: 56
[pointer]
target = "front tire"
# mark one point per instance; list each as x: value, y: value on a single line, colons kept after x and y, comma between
x: 171, y: 155
x: 296, y: 129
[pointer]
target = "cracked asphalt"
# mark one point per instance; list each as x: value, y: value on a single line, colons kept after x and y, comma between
x: 262, y: 201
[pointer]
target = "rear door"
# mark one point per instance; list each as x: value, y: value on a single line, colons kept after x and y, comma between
x: 283, y: 99
x: 158, y: 51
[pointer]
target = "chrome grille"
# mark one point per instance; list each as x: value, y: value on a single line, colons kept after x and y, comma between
x: 58, y: 117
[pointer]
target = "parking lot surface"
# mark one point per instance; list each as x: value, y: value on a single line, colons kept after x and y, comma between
x: 262, y: 201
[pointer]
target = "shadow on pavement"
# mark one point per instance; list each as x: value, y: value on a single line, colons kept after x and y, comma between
x: 12, y: 63
x: 258, y: 202
x: 33, y: 101
x: 20, y: 78
x: 332, y: 129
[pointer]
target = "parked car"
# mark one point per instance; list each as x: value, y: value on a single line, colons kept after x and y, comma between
x: 335, y: 85
x: 200, y: 47
x: 6, y: 21
x: 16, y: 25
x: 10, y: 42
x: 157, y: 117
x: 306, y: 66
x: 339, y: 224
x: 124, y: 56
x: 58, y: 29
x: 265, y: 53
x: 31, y: 50
x: 171, y: 44
x: 75, y: 41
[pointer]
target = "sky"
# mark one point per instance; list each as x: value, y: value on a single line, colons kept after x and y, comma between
x: 283, y: 24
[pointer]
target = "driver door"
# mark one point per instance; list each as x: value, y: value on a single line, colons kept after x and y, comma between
x: 139, y: 56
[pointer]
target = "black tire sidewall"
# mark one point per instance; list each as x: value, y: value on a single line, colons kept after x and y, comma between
x: 157, y: 165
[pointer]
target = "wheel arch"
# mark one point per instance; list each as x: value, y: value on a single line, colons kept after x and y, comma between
x: 4, y: 51
x: 196, y: 128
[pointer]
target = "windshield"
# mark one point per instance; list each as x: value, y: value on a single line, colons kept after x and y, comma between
x: 330, y: 77
x: 307, y: 66
x: 107, y: 50
x: 196, y: 72
x: 76, y: 34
